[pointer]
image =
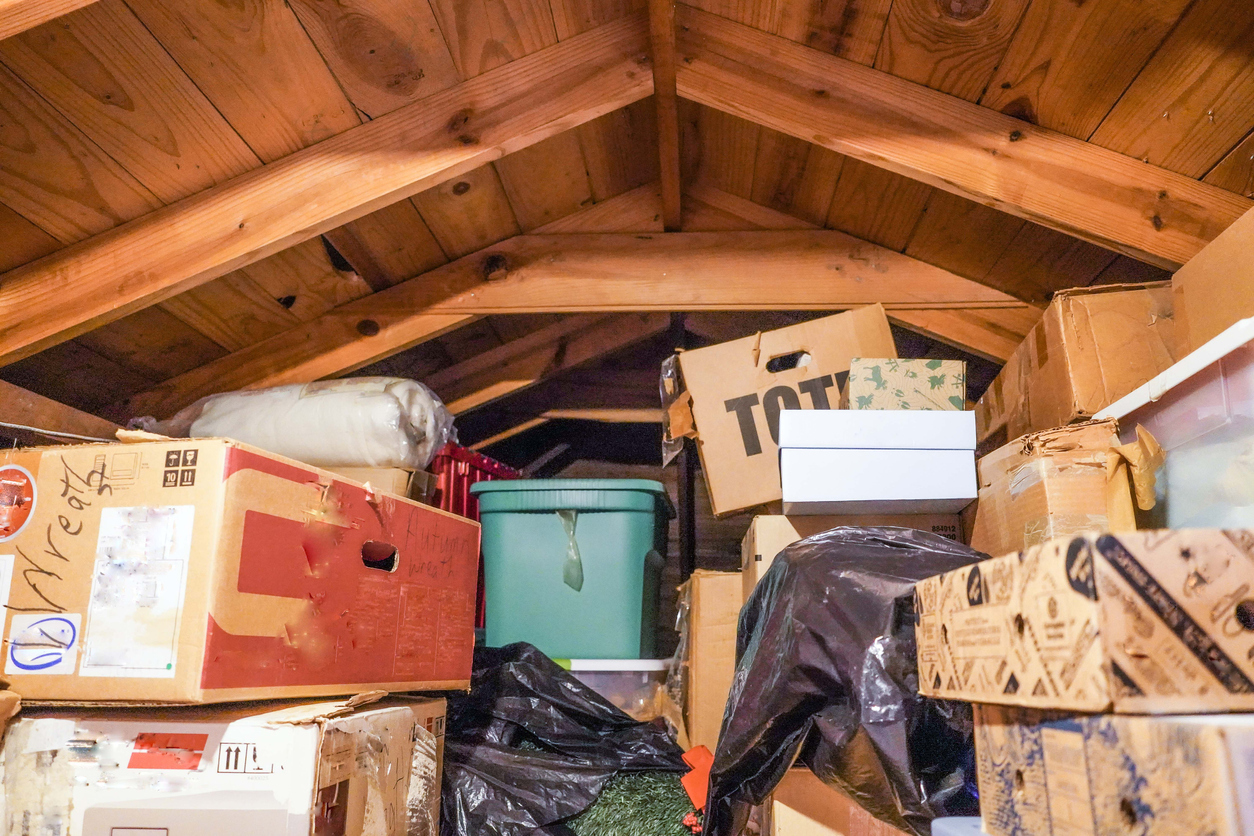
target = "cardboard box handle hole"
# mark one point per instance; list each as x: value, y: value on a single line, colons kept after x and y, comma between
x: 380, y: 556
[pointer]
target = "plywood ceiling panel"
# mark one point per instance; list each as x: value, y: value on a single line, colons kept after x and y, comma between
x: 398, y: 239
x: 570, y: 17
x: 620, y: 150
x: 849, y: 28
x: 877, y: 205
x: 153, y: 343
x: 1070, y: 62
x: 302, y: 281
x: 23, y: 241
x: 794, y: 176
x: 718, y: 148
x: 1125, y: 270
x: 1190, y: 106
x: 1236, y: 171
x: 961, y: 236
x: 233, y: 311
x: 485, y: 34
x: 1040, y: 261
x: 468, y: 213
x: 639, y: 210
x: 546, y: 181
x: 76, y: 376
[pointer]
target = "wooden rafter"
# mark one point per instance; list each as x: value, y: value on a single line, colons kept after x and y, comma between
x: 21, y: 409
x: 321, y: 187
x: 524, y: 362
x: 1046, y: 177
x: 666, y: 100
x: 795, y: 270
x: 19, y: 15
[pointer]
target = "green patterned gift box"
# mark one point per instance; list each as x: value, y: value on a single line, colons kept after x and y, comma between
x: 906, y: 384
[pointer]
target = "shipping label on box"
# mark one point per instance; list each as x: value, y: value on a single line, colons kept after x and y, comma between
x: 205, y: 570
x: 1144, y: 621
x: 309, y: 769
x: 906, y: 384
x: 1043, y: 773
x: 739, y: 388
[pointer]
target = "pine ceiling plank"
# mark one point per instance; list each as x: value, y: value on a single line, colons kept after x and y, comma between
x: 23, y: 241
x: 723, y: 210
x: 1070, y: 62
x: 385, y: 53
x: 877, y: 205
x: 514, y: 326
x: 233, y: 311
x: 486, y: 34
x: 337, y: 181
x: 952, y: 46
x: 21, y: 406
x: 794, y: 176
x: 253, y: 60
x: 303, y: 275
x: 153, y: 343
x: 76, y: 376
x: 54, y: 176
x: 1236, y: 171
x: 572, y: 17
x: 639, y: 210
x: 721, y: 148
x: 1124, y: 270
x: 1191, y: 104
x: 399, y: 241
x: 851, y: 29
x: 469, y: 212
x: 1040, y: 261
x: 618, y: 150
x: 546, y: 181
x: 19, y: 15
x: 801, y: 270
x: 962, y: 236
x: 469, y: 341
x: 1046, y: 177
x: 107, y: 75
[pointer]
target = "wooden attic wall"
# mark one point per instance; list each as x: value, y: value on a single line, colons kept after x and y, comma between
x: 260, y: 80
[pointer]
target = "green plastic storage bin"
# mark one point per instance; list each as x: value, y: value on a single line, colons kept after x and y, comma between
x: 530, y: 572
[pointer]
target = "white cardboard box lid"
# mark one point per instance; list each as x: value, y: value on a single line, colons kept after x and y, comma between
x: 1207, y: 355
x: 877, y: 429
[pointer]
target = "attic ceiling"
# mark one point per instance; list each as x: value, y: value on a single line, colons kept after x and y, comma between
x: 131, y: 131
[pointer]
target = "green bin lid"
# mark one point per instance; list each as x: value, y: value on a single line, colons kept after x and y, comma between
x: 575, y: 494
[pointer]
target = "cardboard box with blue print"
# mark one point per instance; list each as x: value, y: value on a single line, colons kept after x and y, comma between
x: 206, y: 570
x: 906, y: 384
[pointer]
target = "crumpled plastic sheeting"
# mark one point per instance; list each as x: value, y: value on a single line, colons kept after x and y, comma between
x: 827, y: 675
x: 532, y: 746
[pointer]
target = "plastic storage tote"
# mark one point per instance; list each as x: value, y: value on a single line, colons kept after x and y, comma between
x: 1201, y: 410
x: 574, y: 566
x: 634, y: 685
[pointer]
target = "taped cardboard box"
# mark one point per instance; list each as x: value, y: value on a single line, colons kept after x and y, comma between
x: 730, y: 396
x: 329, y: 769
x: 770, y: 534
x: 417, y: 485
x: 1044, y: 774
x: 1050, y: 484
x: 713, y: 614
x: 206, y: 571
x: 802, y: 805
x: 906, y: 384
x: 1091, y: 347
x: 1138, y: 622
x: 1215, y: 289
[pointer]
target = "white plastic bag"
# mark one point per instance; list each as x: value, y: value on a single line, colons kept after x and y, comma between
x: 353, y: 422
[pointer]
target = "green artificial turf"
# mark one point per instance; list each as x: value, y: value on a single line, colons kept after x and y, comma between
x: 637, y: 804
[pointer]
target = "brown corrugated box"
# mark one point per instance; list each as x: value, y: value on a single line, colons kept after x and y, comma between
x: 769, y: 534
x: 1215, y: 288
x: 1091, y: 347
x: 1050, y: 484
x: 204, y: 570
x: 1137, y: 622
x: 714, y: 611
x: 802, y: 805
x: 417, y: 485
x: 1043, y: 773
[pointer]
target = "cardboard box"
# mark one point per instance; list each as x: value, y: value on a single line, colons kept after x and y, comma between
x: 713, y: 614
x: 1106, y: 774
x: 206, y: 571
x: 1215, y: 289
x: 802, y: 805
x: 327, y: 769
x: 1051, y: 484
x: 417, y: 485
x: 877, y: 462
x: 1143, y: 621
x: 769, y: 534
x: 906, y: 384
x: 735, y: 396
x: 1092, y: 347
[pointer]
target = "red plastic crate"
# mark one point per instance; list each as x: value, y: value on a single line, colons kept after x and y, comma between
x: 456, y: 468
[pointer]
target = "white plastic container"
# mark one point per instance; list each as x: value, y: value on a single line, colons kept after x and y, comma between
x: 1201, y: 410
x: 634, y: 685
x: 957, y: 826
x: 872, y: 461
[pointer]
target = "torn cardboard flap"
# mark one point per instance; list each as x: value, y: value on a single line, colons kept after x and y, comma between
x: 1139, y: 461
x: 314, y: 712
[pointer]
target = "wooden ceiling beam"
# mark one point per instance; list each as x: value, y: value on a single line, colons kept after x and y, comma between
x: 682, y: 271
x: 23, y: 414
x: 1051, y: 179
x: 19, y: 15
x: 322, y: 187
x: 524, y: 362
x: 665, y: 100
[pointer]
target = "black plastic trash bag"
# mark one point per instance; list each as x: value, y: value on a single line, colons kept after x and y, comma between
x: 827, y: 675
x: 532, y: 746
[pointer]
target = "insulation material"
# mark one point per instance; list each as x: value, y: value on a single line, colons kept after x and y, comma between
x: 329, y: 769
x: 354, y: 422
